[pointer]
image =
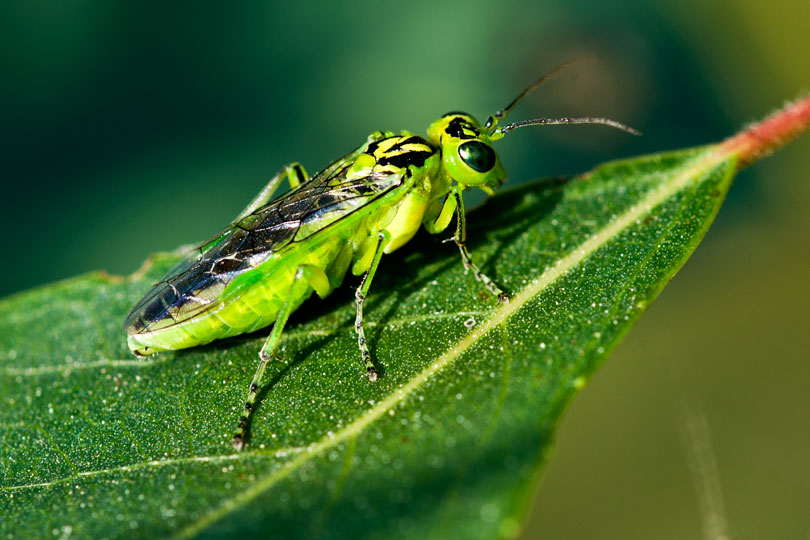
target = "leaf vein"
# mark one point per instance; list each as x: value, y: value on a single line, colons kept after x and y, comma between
x: 280, y: 452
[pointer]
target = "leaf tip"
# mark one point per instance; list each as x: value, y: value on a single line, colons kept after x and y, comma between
x: 761, y: 139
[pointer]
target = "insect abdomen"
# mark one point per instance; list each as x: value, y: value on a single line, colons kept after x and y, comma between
x: 250, y: 307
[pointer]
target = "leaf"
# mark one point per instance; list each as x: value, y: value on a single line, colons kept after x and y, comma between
x: 449, y: 441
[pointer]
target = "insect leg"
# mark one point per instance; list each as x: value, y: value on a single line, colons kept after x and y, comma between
x: 268, y: 351
x: 377, y: 135
x: 294, y: 173
x: 438, y: 216
x: 459, y: 238
x: 360, y: 296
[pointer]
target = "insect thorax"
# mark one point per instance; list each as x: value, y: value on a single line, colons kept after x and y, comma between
x: 418, y: 163
x: 397, y: 153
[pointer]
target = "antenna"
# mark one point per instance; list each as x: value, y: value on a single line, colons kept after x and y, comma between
x: 552, y: 121
x: 492, y: 121
x: 497, y: 133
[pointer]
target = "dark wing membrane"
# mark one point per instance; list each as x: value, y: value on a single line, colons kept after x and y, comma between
x: 196, y: 284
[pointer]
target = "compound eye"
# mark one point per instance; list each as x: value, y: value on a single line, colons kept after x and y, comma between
x: 477, y: 155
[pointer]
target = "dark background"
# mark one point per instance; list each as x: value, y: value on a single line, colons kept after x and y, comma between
x: 129, y: 128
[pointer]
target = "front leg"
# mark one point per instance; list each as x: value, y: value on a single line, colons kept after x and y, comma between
x: 460, y: 237
x: 439, y: 220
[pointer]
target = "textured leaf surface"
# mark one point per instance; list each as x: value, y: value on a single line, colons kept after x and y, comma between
x: 96, y: 443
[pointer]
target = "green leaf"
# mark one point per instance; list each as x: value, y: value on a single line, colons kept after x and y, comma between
x: 448, y: 442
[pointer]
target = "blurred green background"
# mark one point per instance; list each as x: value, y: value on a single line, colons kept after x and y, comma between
x: 129, y: 128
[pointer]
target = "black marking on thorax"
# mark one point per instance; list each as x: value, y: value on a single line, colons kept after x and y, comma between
x: 406, y: 151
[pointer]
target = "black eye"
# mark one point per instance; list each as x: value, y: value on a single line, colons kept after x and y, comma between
x: 477, y: 155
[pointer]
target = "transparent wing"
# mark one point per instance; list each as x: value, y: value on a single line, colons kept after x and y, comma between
x: 316, y: 206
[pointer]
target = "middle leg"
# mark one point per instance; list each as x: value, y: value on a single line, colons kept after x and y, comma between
x: 383, y: 237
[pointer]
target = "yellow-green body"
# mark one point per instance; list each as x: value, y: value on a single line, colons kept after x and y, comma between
x: 252, y: 299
